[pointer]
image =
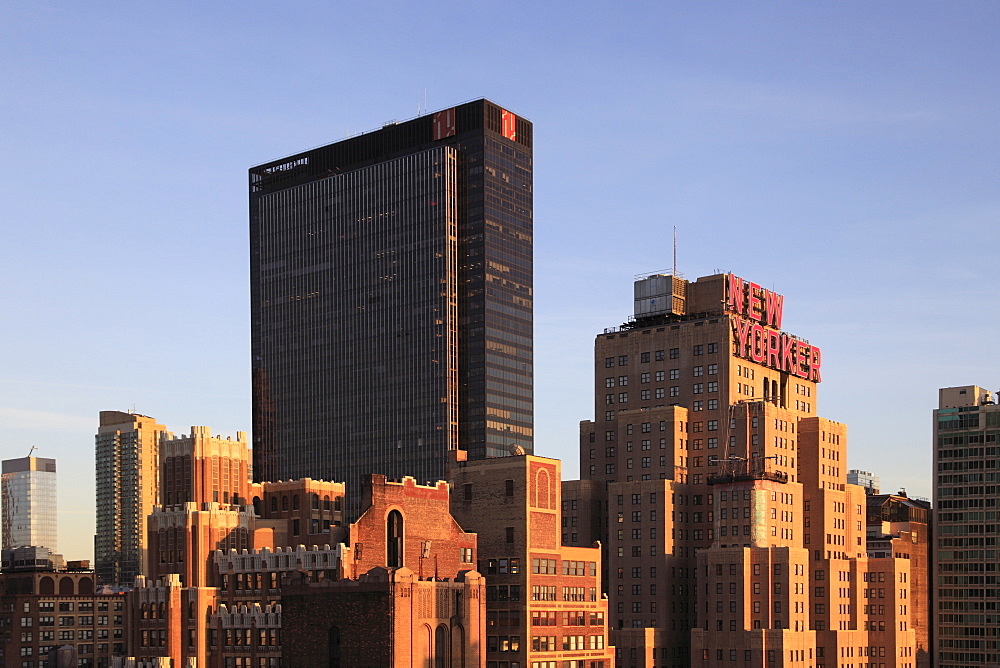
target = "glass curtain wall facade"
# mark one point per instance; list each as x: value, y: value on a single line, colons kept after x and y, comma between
x: 391, y: 291
x: 28, y: 500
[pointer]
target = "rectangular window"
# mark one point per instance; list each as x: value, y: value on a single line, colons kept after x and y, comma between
x: 675, y: 353
x: 698, y: 349
x: 609, y: 362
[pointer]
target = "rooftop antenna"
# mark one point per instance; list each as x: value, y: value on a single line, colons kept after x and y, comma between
x: 675, y: 250
x: 33, y: 448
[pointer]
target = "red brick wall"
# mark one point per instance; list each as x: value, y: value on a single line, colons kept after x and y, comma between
x: 426, y: 517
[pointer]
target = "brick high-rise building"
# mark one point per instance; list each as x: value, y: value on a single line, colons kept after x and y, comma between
x: 128, y: 482
x: 899, y: 527
x: 967, y: 599
x: 730, y: 530
x: 28, y: 500
x: 391, y: 299
x: 544, y: 606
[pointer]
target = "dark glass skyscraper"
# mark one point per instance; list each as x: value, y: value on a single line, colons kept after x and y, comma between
x: 391, y: 292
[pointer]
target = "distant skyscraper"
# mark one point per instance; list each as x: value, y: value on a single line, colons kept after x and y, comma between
x: 127, y: 470
x: 967, y: 600
x: 865, y: 479
x: 391, y: 299
x: 28, y: 491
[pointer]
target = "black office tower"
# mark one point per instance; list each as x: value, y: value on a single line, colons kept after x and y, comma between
x: 391, y: 292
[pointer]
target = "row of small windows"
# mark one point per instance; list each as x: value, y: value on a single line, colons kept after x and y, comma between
x: 660, y: 355
x: 659, y: 376
x: 660, y: 393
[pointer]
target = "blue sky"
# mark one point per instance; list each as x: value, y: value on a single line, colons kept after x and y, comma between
x: 843, y: 154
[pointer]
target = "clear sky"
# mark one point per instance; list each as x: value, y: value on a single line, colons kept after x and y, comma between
x: 845, y: 155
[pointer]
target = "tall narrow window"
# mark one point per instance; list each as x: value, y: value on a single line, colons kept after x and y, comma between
x: 333, y: 647
x: 440, y: 647
x: 394, y: 540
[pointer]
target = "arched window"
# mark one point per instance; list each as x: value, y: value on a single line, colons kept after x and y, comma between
x: 284, y: 503
x: 458, y: 645
x: 274, y: 504
x: 440, y: 647
x: 394, y: 540
x: 295, y: 502
x: 47, y: 586
x: 315, y: 501
x: 326, y: 503
x: 85, y: 587
x: 333, y: 647
x: 66, y: 586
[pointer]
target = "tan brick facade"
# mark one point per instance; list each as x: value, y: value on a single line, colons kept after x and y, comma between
x: 731, y: 533
x: 544, y: 607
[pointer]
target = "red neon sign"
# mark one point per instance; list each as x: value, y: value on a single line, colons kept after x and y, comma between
x: 756, y: 335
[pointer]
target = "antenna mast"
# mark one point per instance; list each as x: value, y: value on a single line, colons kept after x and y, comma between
x: 675, y: 250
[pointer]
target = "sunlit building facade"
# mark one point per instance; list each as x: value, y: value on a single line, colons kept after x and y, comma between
x: 732, y: 534
x: 28, y: 491
x: 127, y: 485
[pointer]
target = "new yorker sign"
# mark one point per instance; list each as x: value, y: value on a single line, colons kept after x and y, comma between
x: 756, y: 331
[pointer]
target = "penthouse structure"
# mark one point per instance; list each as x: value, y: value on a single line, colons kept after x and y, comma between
x: 391, y: 299
x: 731, y: 532
x: 967, y: 598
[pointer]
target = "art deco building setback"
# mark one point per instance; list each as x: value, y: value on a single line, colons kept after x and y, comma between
x: 128, y: 481
x: 731, y: 533
x: 28, y: 502
x: 391, y: 298
x: 967, y: 595
x: 544, y: 607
